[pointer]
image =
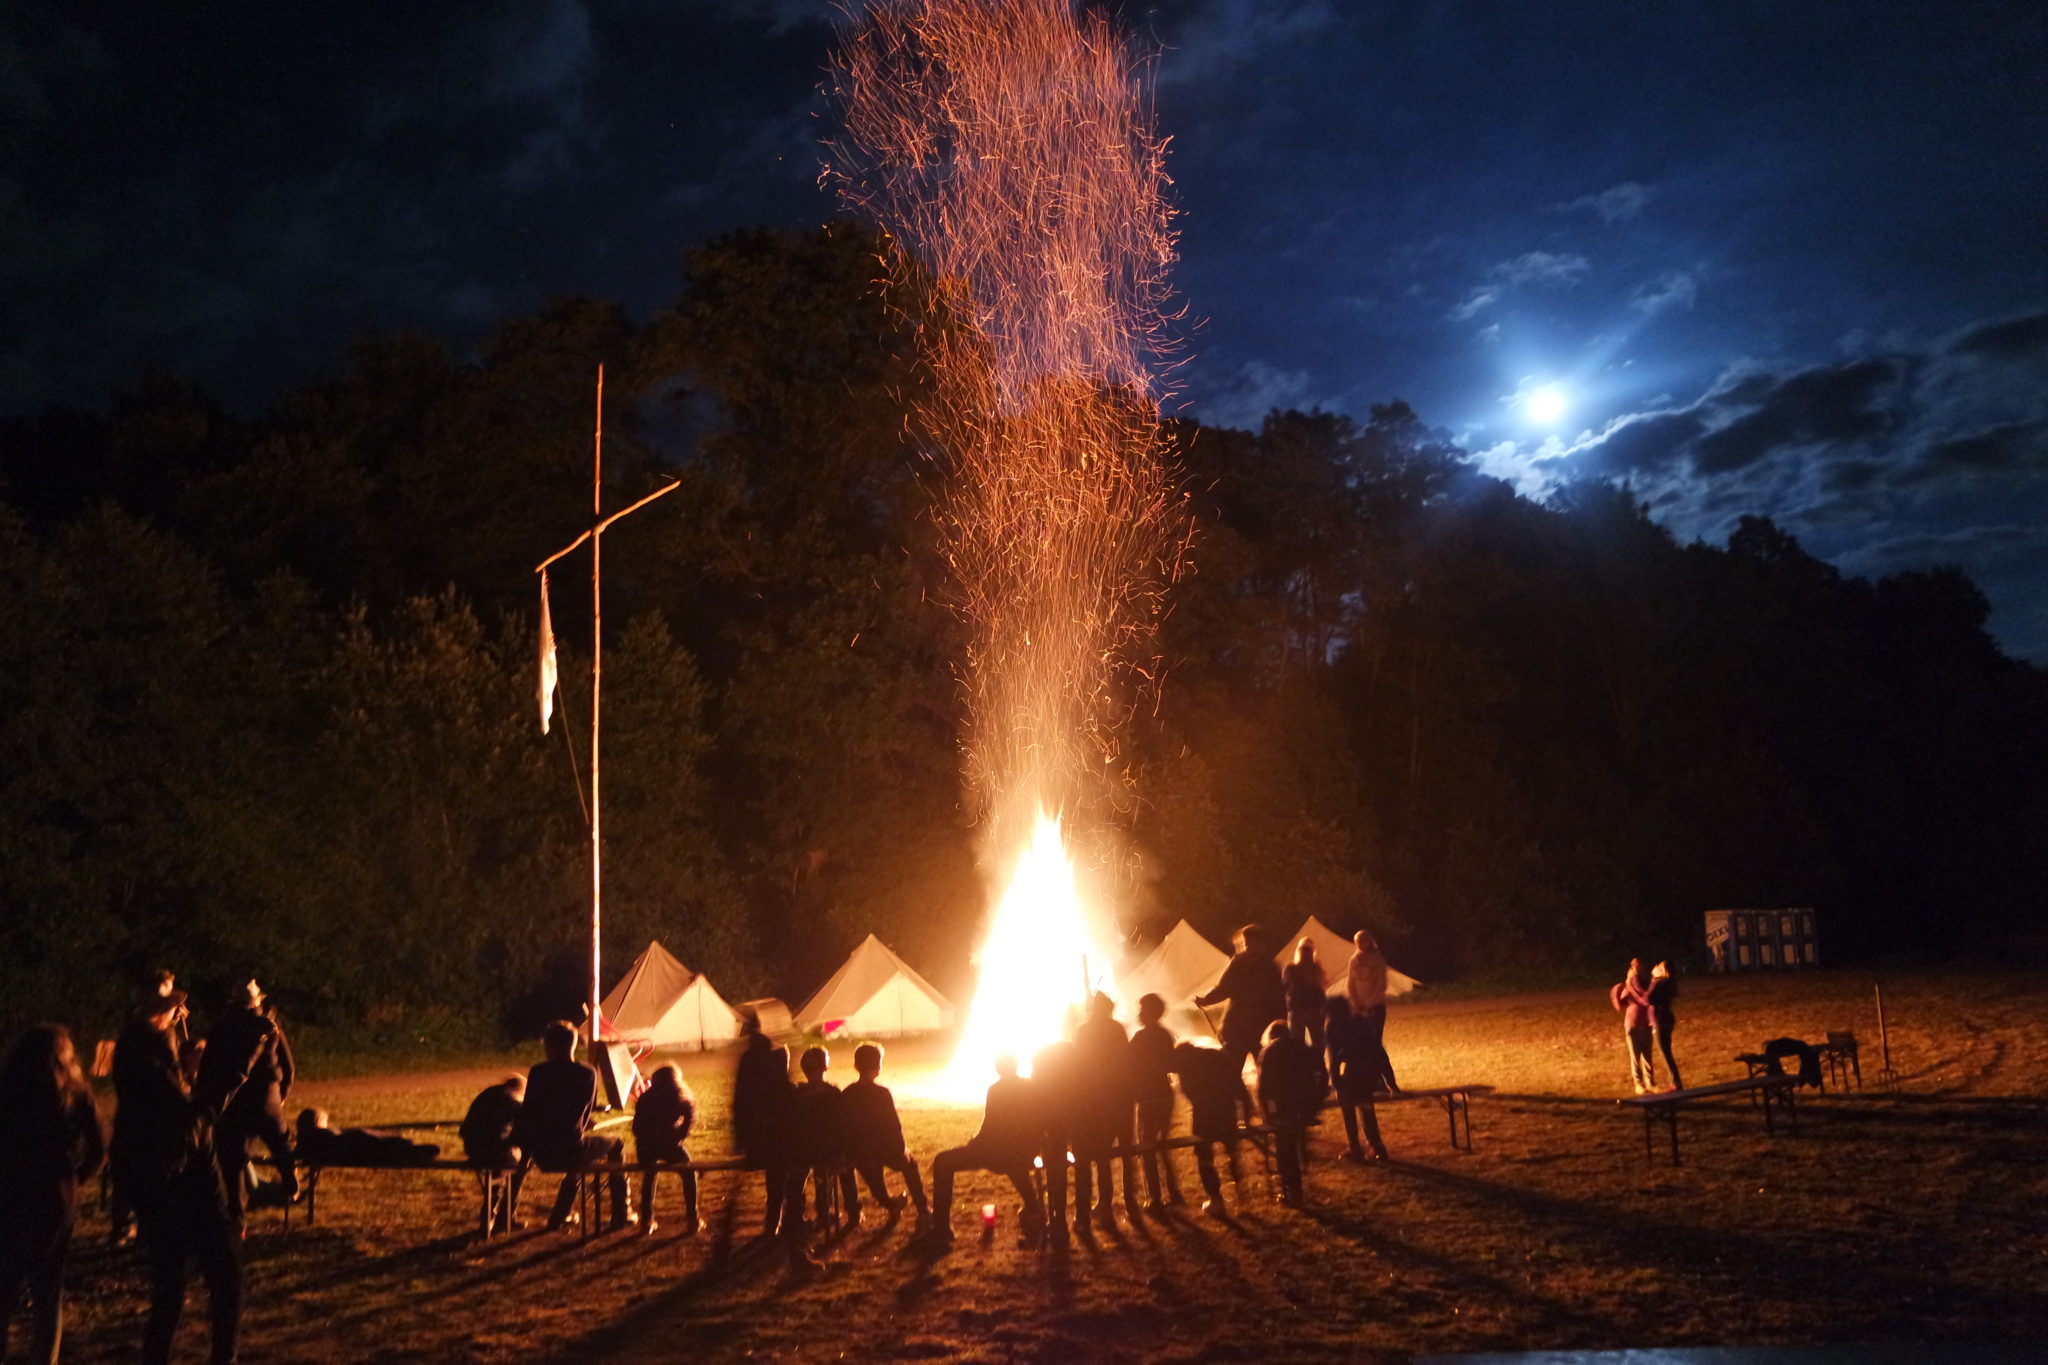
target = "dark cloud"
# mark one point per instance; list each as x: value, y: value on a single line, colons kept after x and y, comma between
x: 1640, y: 442
x: 2020, y: 336
x: 1997, y: 448
x: 1822, y: 406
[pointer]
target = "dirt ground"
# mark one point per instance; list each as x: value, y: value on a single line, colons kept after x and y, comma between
x: 1918, y: 1214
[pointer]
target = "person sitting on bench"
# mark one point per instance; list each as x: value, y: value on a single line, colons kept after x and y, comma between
x: 873, y: 1134
x: 661, y: 1125
x: 487, y: 1142
x: 554, y: 1127
x: 1008, y: 1139
x: 321, y: 1145
x: 819, y: 1146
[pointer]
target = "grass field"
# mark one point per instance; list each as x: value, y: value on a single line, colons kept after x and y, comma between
x: 1919, y: 1215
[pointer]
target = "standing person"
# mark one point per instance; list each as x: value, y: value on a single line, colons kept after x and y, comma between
x: 1251, y: 983
x: 50, y: 1143
x: 1103, y: 1107
x: 1008, y: 1139
x: 1663, y: 1018
x: 487, y: 1141
x: 662, y: 1120
x: 1151, y: 1069
x: 163, y: 1162
x: 1355, y: 1059
x: 761, y: 1119
x: 245, y: 1076
x: 554, y: 1128
x: 1056, y: 1100
x: 820, y: 1147
x: 1212, y: 1084
x: 1365, y: 990
x: 874, y: 1136
x: 1288, y: 1092
x: 1631, y: 999
x: 1307, y: 986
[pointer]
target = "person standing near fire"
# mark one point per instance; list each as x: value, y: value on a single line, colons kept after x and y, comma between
x: 1252, y: 986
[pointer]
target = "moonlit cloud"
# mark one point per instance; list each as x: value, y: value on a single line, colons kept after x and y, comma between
x: 1674, y: 289
x: 1615, y: 204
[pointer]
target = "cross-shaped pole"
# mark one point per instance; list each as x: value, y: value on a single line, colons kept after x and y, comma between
x: 595, y: 535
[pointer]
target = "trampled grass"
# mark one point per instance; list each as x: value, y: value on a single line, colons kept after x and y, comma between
x: 1910, y: 1216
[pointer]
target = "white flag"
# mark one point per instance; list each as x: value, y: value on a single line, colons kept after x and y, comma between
x: 547, y: 657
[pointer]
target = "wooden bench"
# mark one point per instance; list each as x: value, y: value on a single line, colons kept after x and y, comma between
x: 1455, y: 1099
x: 1771, y: 1091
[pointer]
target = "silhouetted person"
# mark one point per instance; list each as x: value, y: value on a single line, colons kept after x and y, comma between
x: 322, y: 1144
x: 820, y: 1144
x: 761, y: 1119
x: 554, y: 1127
x: 873, y: 1134
x: 1663, y: 995
x: 1354, y: 1058
x: 50, y: 1143
x: 1306, y: 987
x: 487, y: 1140
x: 1251, y: 983
x: 163, y: 1162
x: 1009, y: 1137
x: 662, y: 1120
x: 1151, y: 1071
x: 244, y: 1076
x: 1104, y: 1103
x: 1056, y: 1103
x: 1212, y: 1083
x: 1365, y: 990
x: 1289, y: 1091
x: 1631, y: 998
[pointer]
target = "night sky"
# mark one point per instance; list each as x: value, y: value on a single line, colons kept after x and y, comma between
x: 1786, y: 258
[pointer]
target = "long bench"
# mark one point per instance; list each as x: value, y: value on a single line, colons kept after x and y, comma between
x: 1770, y: 1091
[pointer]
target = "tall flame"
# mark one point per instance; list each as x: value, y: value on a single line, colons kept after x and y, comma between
x: 1007, y: 147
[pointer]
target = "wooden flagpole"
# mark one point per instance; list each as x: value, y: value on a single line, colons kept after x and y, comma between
x: 595, y: 535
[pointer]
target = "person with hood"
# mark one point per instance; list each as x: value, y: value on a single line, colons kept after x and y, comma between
x: 662, y: 1119
x: 164, y: 1165
x: 1212, y: 1083
x: 50, y: 1144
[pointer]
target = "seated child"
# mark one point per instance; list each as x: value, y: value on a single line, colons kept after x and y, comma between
x: 817, y: 1138
x: 661, y: 1125
x: 873, y: 1135
x: 487, y: 1140
x: 320, y: 1145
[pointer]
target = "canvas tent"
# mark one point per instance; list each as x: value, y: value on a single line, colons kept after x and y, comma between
x: 1182, y: 966
x: 875, y: 994
x: 661, y: 1003
x: 1334, y: 954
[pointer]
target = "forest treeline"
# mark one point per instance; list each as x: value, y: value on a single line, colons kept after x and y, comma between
x: 267, y: 687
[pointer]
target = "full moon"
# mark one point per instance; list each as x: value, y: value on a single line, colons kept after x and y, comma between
x: 1546, y: 405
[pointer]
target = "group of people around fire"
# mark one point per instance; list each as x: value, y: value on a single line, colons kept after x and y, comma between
x: 189, y: 1112
x: 1091, y: 1104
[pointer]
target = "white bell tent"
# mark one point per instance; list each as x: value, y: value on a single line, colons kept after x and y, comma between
x: 660, y: 1003
x: 1334, y: 954
x: 875, y: 994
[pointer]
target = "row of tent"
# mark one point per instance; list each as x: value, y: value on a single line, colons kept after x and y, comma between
x: 660, y: 1003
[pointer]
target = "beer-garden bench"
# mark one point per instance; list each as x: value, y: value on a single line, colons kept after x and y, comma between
x: 1771, y: 1091
x: 1455, y: 1099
